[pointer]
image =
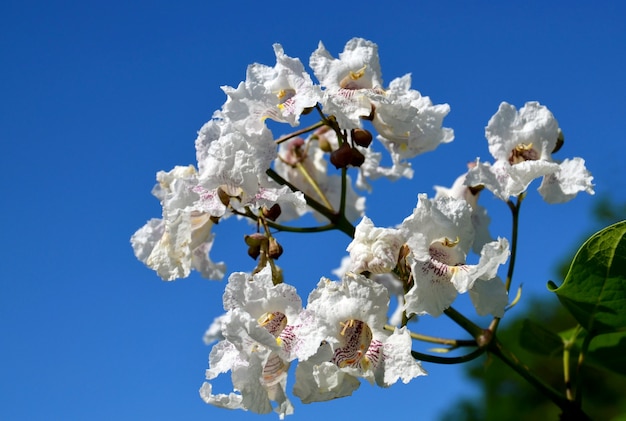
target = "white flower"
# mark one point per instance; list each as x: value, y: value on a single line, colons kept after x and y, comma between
x: 408, y: 123
x: 181, y: 241
x: 480, y: 219
x: 259, y: 343
x: 374, y: 249
x: 522, y: 144
x: 572, y: 177
x: 351, y: 314
x: 231, y: 158
x: 440, y: 234
x: 351, y: 82
x: 280, y: 93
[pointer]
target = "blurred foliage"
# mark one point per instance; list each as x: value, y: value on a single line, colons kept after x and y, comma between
x: 503, y: 395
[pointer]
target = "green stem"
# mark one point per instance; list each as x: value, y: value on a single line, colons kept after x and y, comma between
x: 456, y: 343
x: 286, y: 228
x: 299, y: 132
x: 338, y: 221
x: 566, y: 374
x: 515, y: 207
x: 581, y: 358
x: 472, y: 328
x: 448, y: 360
x: 570, y: 409
x: 302, y: 169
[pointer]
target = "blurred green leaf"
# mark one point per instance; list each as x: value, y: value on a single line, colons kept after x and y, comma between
x: 594, y: 290
x: 608, y: 351
x: 539, y: 340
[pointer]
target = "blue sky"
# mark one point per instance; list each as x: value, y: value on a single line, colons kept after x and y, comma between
x: 96, y: 97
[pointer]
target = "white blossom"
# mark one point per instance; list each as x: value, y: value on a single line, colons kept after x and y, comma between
x: 522, y: 142
x: 479, y: 216
x: 351, y: 314
x: 182, y: 239
x: 259, y: 343
x: 280, y: 93
x: 440, y: 234
x: 374, y: 249
x: 408, y: 123
x: 350, y: 82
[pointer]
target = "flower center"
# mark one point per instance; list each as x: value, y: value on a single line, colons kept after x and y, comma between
x: 351, y: 80
x: 523, y: 152
x: 446, y: 251
x: 273, y: 322
x: 357, y: 337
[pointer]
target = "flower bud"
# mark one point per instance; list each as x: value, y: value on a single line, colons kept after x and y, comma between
x: 273, y: 212
x: 254, y: 251
x: 223, y: 196
x: 324, y: 144
x: 560, y: 140
x: 275, y: 249
x: 255, y: 239
x: 361, y: 137
x: 357, y: 158
x: 342, y: 157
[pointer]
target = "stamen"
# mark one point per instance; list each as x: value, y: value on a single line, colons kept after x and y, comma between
x: 358, y: 74
x: 523, y: 152
x: 357, y: 338
x: 348, y: 82
x: 449, y: 243
x: 348, y: 324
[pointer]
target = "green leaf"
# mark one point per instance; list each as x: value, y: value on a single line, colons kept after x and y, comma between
x: 609, y: 351
x: 539, y: 340
x: 594, y: 290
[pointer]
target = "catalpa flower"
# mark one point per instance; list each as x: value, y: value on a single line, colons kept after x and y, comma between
x: 480, y: 219
x: 351, y: 314
x: 229, y: 157
x: 522, y: 144
x: 280, y: 93
x: 181, y: 241
x: 259, y: 343
x: 440, y: 234
x: 408, y: 123
x: 351, y: 82
x: 374, y: 249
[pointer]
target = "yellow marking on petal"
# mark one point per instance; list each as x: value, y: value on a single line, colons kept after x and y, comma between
x: 279, y: 341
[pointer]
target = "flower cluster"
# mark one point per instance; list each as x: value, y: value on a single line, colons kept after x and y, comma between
x: 345, y: 332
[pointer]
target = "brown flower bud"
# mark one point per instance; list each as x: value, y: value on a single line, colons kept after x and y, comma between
x: 273, y: 212
x: 560, y: 140
x: 223, y: 196
x: 357, y: 158
x: 275, y: 249
x: 255, y: 239
x: 361, y: 137
x: 254, y: 251
x: 342, y: 157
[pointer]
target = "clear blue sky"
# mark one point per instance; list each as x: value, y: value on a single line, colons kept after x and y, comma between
x: 96, y: 97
